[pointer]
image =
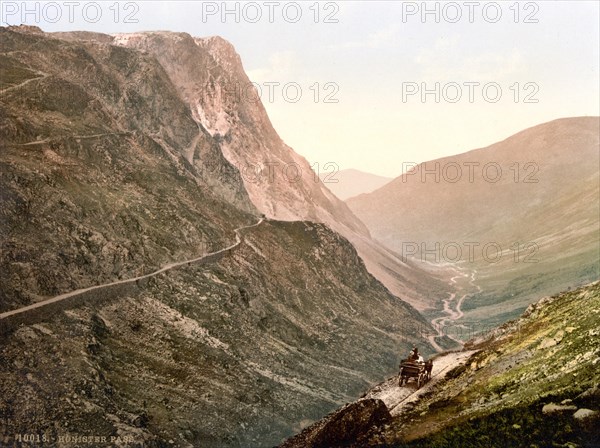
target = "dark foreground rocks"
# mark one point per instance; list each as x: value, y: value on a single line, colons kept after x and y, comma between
x: 344, y: 427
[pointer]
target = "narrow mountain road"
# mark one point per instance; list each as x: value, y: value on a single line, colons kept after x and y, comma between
x: 397, y: 398
x: 168, y: 267
x: 27, y: 81
x: 105, y: 134
x: 80, y: 137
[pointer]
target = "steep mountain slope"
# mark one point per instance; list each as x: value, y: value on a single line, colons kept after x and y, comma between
x: 349, y: 183
x: 532, y: 382
x: 106, y: 175
x: 538, y: 189
x: 240, y: 352
x: 94, y: 183
x: 209, y: 76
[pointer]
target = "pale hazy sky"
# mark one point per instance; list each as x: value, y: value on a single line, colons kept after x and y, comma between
x: 375, y: 53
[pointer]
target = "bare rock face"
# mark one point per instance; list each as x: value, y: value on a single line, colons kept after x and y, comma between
x: 209, y: 76
x: 107, y: 174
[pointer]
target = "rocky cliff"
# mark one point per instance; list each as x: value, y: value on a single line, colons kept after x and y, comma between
x: 209, y: 76
x: 108, y: 174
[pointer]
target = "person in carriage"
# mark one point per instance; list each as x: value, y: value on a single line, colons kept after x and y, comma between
x: 415, y: 356
x: 415, y: 367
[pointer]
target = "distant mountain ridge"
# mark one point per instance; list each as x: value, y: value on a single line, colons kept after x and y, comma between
x: 521, y: 214
x: 350, y: 182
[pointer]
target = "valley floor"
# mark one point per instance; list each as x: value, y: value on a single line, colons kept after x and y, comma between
x: 451, y: 330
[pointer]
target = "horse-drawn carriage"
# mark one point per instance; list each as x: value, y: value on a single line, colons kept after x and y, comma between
x: 421, y: 371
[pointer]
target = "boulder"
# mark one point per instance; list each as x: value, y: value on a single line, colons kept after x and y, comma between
x: 553, y: 408
x: 591, y: 393
x: 583, y: 414
x: 343, y: 427
x: 351, y: 422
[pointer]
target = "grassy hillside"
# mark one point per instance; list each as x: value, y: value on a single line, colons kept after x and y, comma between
x: 521, y: 214
x: 522, y: 388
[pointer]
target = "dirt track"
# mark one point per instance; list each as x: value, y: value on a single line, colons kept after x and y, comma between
x: 71, y: 298
x: 396, y: 398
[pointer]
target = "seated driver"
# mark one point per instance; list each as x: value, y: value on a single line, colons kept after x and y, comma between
x: 415, y: 356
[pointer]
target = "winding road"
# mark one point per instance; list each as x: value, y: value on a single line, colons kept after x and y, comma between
x: 4, y: 317
x: 41, y: 76
x: 440, y: 324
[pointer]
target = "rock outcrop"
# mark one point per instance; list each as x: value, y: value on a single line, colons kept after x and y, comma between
x: 344, y: 427
x: 106, y: 174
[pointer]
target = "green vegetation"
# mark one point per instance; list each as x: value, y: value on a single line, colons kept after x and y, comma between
x: 550, y: 355
x: 523, y: 426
